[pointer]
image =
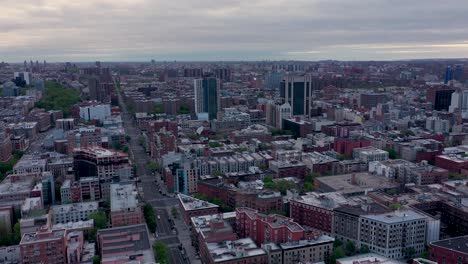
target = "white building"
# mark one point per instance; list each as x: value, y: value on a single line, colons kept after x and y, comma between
x: 369, y: 154
x: 62, y: 214
x: 393, y: 235
x: 95, y: 112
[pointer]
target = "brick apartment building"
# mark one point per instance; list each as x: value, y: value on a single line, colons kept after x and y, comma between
x: 268, y: 228
x: 452, y: 250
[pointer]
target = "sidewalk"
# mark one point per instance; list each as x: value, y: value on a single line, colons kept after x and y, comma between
x: 183, y: 233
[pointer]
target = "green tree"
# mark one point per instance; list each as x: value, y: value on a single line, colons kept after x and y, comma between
x: 158, y: 109
x: 150, y: 217
x: 337, y: 243
x: 125, y: 149
x: 161, y: 252
x: 128, y: 138
x: 16, y: 233
x: 338, y: 253
x: 100, y: 219
x: 214, y: 144
x: 350, y: 248
x: 58, y: 97
x: 141, y: 140
x: 183, y: 110
x: 96, y: 259
x: 395, y: 206
x: 392, y: 154
x: 174, y: 212
x: 364, y: 249
x: 153, y: 166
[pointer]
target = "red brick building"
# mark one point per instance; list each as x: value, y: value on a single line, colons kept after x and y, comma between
x: 125, y: 209
x: 452, y: 250
x: 452, y: 163
x: 310, y: 212
x: 346, y: 145
x: 260, y: 200
x: 44, y: 247
x: 293, y: 168
x: 267, y: 228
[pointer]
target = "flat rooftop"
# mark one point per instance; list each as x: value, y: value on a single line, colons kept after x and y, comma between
x: 395, y: 217
x: 66, y: 208
x: 362, y: 181
x: 329, y: 200
x: 190, y: 203
x: 88, y: 224
x: 231, y: 250
x: 126, y: 241
x: 459, y: 244
x: 42, y: 236
x: 370, y: 258
x: 307, y: 242
x: 123, y: 196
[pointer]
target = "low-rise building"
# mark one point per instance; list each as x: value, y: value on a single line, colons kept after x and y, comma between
x: 72, y: 212
x: 134, y: 241
x: 369, y: 154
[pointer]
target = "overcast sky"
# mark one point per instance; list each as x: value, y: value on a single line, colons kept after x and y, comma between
x: 140, y: 30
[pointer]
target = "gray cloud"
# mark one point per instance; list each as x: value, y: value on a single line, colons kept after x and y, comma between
x: 62, y: 30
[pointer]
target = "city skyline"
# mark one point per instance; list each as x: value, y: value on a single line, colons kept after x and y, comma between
x: 141, y: 30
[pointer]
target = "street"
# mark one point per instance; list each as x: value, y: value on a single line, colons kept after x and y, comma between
x: 150, y: 186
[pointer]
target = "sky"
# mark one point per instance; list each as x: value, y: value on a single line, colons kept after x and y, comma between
x: 213, y: 30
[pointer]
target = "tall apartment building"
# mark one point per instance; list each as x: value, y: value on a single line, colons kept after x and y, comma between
x: 207, y: 95
x: 394, y: 235
x: 125, y: 209
x: 108, y: 165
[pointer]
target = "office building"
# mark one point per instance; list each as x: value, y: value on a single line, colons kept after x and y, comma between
x: 298, y: 92
x: 207, y: 94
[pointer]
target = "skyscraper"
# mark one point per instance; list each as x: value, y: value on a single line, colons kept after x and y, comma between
x: 297, y: 91
x: 207, y: 93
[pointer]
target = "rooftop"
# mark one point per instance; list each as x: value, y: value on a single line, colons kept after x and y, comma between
x: 189, y: 203
x: 459, y: 244
x: 88, y: 224
x: 124, y: 242
x: 274, y: 220
x: 42, y: 236
x: 395, y: 217
x: 123, y: 196
x: 307, y: 242
x: 329, y: 200
x: 66, y: 208
x: 370, y: 258
x: 237, y: 249
x: 356, y: 182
